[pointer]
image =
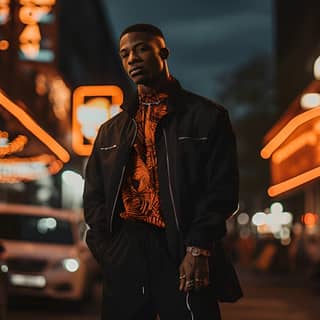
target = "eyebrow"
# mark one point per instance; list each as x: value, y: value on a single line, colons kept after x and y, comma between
x: 134, y: 46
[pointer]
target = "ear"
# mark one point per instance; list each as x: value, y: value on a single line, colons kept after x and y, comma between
x: 164, y: 53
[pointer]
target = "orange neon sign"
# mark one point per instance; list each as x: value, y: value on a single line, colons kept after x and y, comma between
x: 92, y: 105
x: 294, y: 182
x: 33, y: 127
x: 290, y: 165
x: 308, y: 138
x: 287, y: 130
x: 16, y: 145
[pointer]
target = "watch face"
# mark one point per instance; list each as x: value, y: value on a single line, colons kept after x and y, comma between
x: 195, y: 251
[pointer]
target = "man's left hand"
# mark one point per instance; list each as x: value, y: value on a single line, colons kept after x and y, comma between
x: 193, y: 272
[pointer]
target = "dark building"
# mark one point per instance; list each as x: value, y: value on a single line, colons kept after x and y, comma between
x: 297, y: 30
x: 291, y: 144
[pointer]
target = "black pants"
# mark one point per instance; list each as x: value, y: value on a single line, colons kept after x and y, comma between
x: 141, y: 280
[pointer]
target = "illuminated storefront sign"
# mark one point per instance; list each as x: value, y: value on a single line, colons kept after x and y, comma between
x: 33, y: 127
x: 4, y: 19
x: 13, y: 169
x: 8, y: 147
x: 92, y: 105
x: 295, y: 153
x: 34, y: 23
x: 4, y: 11
x: 36, y: 16
x: 24, y: 168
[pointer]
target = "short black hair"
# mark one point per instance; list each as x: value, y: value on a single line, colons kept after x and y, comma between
x: 143, y: 27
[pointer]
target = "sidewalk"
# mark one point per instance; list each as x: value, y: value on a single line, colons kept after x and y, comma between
x: 273, y: 297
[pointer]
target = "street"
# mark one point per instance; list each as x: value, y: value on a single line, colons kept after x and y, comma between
x: 281, y: 297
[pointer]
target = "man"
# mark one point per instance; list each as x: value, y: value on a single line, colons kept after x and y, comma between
x: 160, y: 183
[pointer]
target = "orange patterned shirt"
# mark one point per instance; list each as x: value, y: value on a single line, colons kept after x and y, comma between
x: 140, y: 192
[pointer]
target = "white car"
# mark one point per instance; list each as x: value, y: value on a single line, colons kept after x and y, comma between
x: 45, y: 252
x: 3, y: 285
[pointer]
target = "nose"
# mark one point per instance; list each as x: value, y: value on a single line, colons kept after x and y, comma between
x: 132, y: 58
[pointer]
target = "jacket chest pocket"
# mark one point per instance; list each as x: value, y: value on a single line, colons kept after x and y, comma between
x: 108, y: 147
x: 192, y: 139
x: 192, y: 144
x: 193, y: 148
x: 108, y: 154
x: 192, y: 156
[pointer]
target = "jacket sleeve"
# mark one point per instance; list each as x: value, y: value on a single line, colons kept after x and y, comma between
x: 220, y: 197
x: 94, y: 205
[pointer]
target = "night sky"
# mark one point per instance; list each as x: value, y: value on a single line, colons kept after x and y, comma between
x: 206, y: 40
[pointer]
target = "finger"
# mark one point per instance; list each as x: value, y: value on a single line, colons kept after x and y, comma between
x: 197, y: 280
x: 204, y: 276
x: 189, y: 284
x: 182, y: 281
x: 206, y: 281
x: 182, y: 278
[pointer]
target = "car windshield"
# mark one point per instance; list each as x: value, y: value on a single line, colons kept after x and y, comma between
x: 42, y: 229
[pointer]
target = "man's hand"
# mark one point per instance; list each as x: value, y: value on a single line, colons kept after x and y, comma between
x: 194, y: 272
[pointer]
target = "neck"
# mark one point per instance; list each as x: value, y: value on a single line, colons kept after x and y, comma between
x: 162, y: 85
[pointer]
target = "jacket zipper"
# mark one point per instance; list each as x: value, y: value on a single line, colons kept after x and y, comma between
x: 169, y: 180
x: 121, y: 178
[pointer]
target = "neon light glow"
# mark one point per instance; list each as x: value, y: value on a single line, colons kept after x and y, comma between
x: 38, y: 2
x: 287, y: 130
x: 310, y: 219
x: 295, y: 182
x: 30, y: 41
x: 33, y: 127
x: 89, y: 114
x: 4, y: 45
x: 308, y: 138
x: 7, y: 148
x: 4, y: 11
x: 14, y: 170
x: 31, y: 13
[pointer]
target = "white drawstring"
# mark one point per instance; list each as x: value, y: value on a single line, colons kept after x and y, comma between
x: 188, y: 306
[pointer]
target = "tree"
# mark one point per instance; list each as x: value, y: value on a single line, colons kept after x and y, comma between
x: 248, y: 93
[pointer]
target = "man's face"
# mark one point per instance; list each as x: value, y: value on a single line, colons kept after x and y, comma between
x: 140, y: 57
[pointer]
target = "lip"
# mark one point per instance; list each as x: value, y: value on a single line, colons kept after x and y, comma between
x: 135, y: 70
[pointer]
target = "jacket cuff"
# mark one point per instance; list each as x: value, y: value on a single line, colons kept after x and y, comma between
x: 203, y: 238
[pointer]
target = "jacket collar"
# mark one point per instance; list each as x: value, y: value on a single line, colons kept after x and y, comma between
x: 176, y: 100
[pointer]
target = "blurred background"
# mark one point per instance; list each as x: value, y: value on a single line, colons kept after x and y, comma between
x: 60, y: 78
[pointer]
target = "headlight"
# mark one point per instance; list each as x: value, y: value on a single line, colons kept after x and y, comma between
x: 71, y: 265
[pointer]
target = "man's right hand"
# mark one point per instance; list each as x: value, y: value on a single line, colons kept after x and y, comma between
x: 193, y: 273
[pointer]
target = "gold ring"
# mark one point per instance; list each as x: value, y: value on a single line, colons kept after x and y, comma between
x: 183, y: 276
x: 189, y: 283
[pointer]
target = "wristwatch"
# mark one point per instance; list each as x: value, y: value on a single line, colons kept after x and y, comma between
x: 196, y: 252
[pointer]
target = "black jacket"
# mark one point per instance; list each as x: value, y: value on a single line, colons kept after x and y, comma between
x: 197, y: 169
